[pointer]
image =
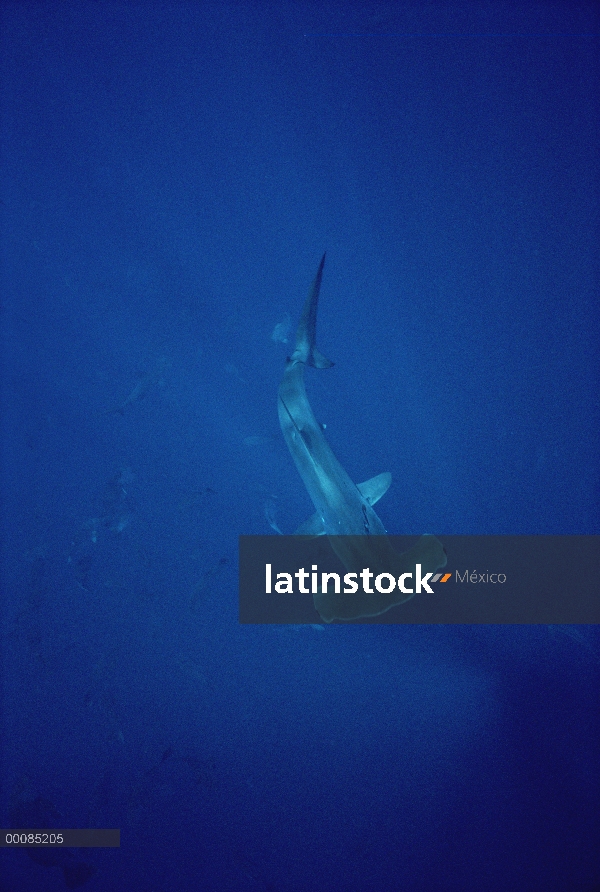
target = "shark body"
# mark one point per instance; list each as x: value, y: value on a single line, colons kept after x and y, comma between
x: 344, y: 510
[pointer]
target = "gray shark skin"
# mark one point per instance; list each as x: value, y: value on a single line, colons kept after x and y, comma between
x: 343, y: 509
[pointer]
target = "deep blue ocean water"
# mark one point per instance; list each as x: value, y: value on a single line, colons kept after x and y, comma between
x: 170, y: 175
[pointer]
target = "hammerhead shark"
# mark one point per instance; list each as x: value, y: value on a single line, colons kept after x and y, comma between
x: 344, y: 510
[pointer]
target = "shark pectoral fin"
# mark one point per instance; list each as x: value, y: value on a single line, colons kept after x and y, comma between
x: 372, y: 490
x: 311, y: 527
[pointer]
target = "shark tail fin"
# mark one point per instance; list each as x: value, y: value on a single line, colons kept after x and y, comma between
x: 307, y: 330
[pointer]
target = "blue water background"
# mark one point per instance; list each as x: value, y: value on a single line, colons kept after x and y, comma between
x: 171, y: 174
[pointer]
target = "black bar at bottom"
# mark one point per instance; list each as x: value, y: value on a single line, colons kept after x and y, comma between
x: 62, y: 839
